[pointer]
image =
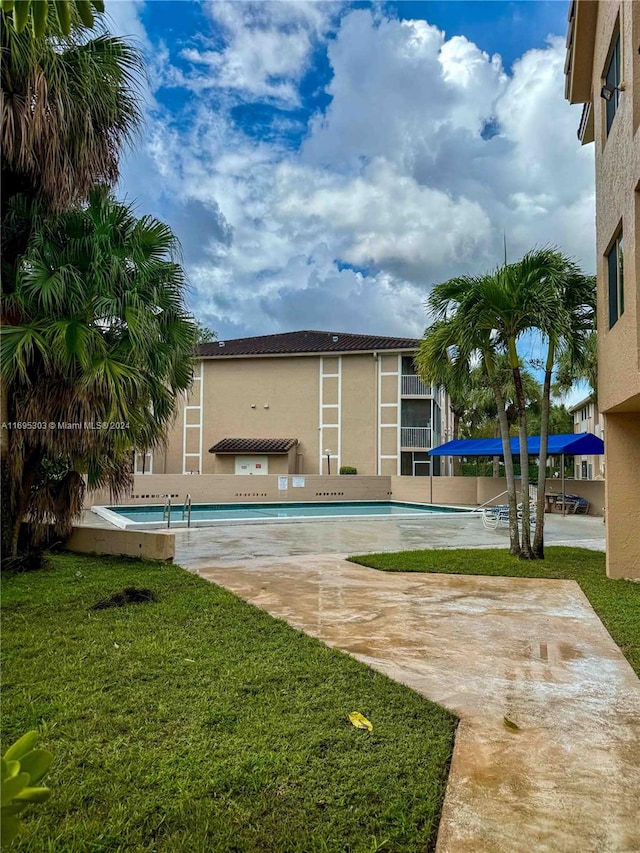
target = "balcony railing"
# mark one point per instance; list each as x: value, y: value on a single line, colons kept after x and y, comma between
x: 415, y: 437
x: 413, y: 386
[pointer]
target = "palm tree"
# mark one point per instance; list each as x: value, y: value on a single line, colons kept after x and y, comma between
x: 566, y: 317
x: 103, y: 338
x: 543, y: 291
x: 455, y: 343
x: 481, y: 404
x: 40, y: 18
x: 579, y: 366
x: 509, y: 302
x: 68, y: 103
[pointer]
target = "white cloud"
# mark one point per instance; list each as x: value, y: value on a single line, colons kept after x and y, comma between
x: 382, y: 217
x: 267, y: 49
x: 398, y: 175
x: 124, y: 19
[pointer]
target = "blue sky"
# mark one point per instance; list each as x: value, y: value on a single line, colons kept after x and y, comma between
x: 324, y: 164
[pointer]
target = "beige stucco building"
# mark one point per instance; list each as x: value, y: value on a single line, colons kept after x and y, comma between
x: 305, y: 403
x: 603, y: 73
x: 587, y: 417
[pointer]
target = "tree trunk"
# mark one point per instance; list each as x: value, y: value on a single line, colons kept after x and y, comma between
x: 514, y: 538
x: 29, y: 470
x: 457, y: 462
x: 526, y: 552
x: 8, y: 502
x: 538, y: 539
x: 496, y: 459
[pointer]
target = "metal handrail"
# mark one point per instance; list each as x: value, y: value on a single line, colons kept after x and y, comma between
x: 415, y: 437
x: 166, y: 512
x: 486, y: 503
x: 186, y: 508
x: 413, y: 386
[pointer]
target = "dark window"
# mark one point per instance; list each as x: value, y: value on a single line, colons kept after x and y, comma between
x: 414, y: 464
x: 615, y: 280
x: 612, y: 81
x: 584, y: 469
x: 415, y: 413
x: 408, y: 366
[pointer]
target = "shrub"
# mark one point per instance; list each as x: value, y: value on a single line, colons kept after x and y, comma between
x: 22, y: 767
x: 347, y: 469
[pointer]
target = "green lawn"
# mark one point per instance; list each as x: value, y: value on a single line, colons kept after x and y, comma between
x: 617, y: 602
x: 199, y: 723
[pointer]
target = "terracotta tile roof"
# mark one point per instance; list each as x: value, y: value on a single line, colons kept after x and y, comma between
x: 305, y: 342
x: 254, y: 445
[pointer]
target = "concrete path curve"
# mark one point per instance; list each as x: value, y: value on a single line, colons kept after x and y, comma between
x: 487, y: 648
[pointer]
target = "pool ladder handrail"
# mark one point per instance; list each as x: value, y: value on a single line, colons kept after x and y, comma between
x: 166, y: 512
x: 186, y: 508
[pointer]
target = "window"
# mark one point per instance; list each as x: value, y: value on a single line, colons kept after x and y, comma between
x: 414, y: 464
x: 416, y: 413
x: 615, y: 280
x: 408, y: 366
x: 143, y: 463
x: 612, y: 82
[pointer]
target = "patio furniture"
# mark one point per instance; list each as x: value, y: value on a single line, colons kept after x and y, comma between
x: 550, y: 501
x: 498, y: 516
x: 495, y: 516
x: 573, y: 504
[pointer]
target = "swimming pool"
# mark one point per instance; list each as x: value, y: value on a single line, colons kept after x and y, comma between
x: 155, y: 516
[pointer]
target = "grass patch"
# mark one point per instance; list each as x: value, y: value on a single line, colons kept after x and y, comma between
x: 617, y: 602
x: 199, y: 723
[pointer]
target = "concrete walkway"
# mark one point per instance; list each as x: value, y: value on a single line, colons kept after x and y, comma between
x: 367, y: 536
x: 487, y: 648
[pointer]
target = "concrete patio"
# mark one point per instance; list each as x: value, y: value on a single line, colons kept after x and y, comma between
x: 361, y: 536
x: 534, y: 651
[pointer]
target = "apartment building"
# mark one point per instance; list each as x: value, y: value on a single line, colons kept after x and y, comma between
x: 603, y: 73
x: 588, y: 418
x: 305, y: 402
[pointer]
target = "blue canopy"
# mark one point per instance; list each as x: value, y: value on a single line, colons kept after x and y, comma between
x: 582, y: 444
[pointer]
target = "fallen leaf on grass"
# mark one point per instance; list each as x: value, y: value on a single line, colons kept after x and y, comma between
x: 356, y: 719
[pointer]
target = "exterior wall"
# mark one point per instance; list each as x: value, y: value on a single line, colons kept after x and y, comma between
x: 617, y: 204
x: 147, y: 545
x: 591, y: 490
x: 478, y: 491
x: 593, y: 423
x: 349, y: 404
x: 358, y: 404
x: 448, y: 491
x: 281, y: 463
x: 229, y: 488
x: 257, y: 398
x: 622, y: 495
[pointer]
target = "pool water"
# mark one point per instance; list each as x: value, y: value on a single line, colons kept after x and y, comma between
x: 269, y: 511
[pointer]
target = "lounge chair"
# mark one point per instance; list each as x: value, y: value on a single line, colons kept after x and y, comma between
x: 498, y: 516
x: 495, y: 516
x: 573, y: 504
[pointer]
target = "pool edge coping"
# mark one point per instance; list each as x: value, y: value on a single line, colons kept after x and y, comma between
x: 125, y: 523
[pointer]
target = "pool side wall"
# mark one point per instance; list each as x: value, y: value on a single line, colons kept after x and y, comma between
x: 147, y: 545
x: 444, y: 491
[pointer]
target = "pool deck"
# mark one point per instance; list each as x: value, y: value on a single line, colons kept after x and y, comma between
x: 361, y: 536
